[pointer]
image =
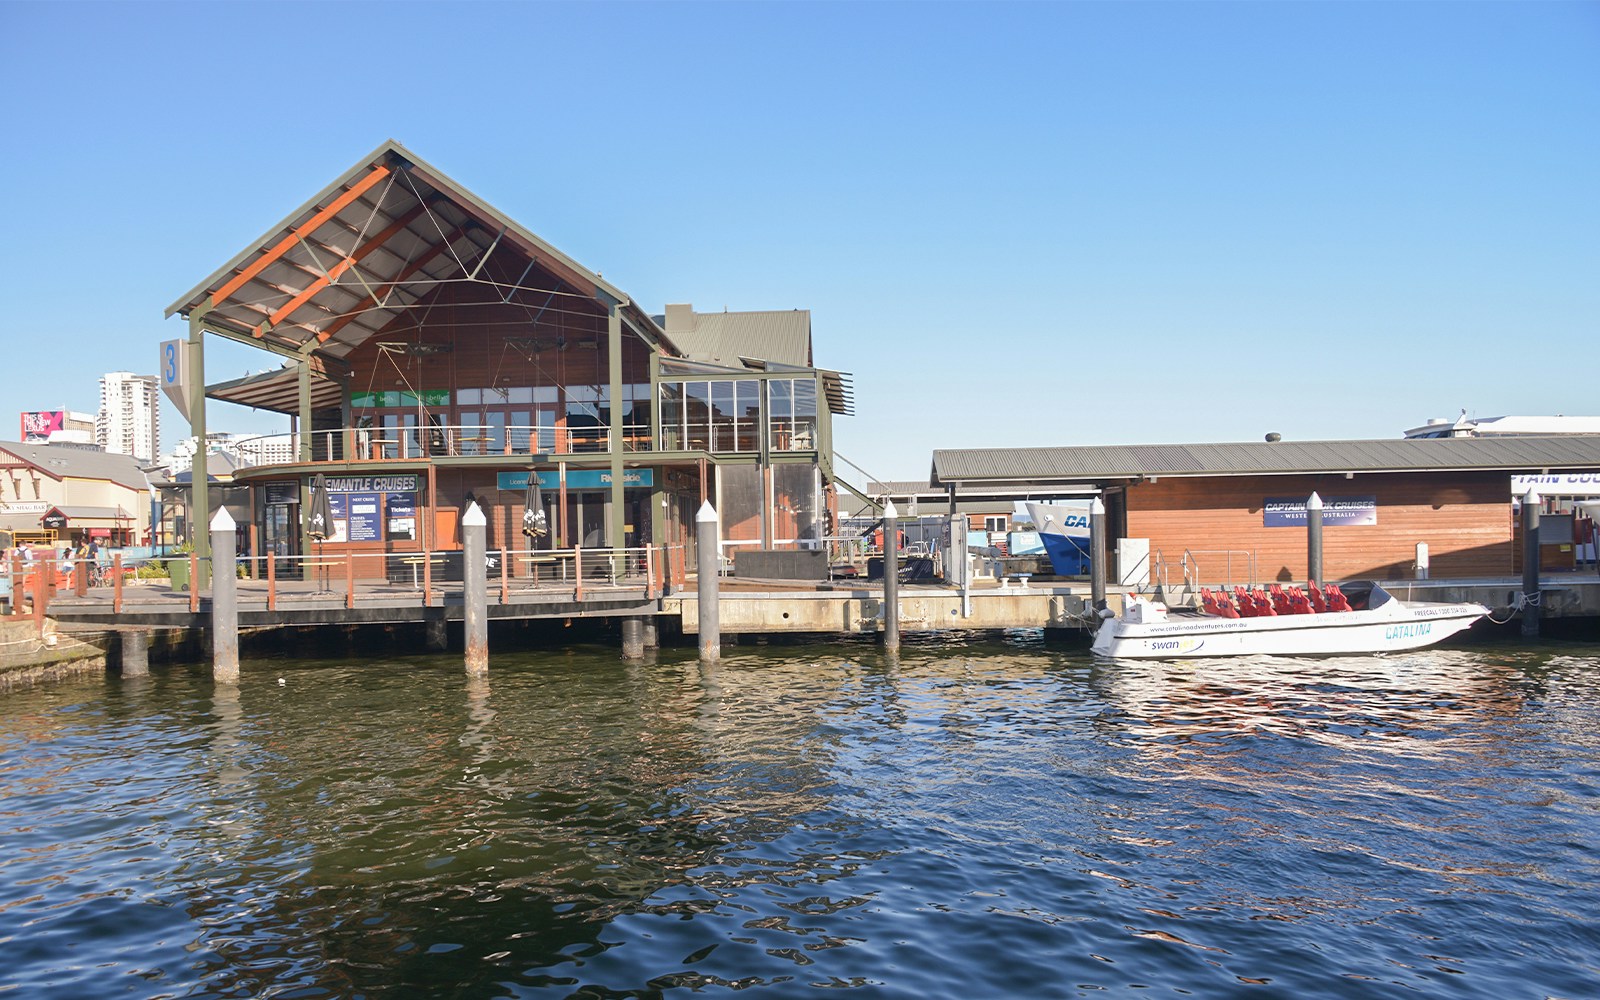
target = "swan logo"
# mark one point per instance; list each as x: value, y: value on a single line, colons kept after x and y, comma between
x: 1176, y: 645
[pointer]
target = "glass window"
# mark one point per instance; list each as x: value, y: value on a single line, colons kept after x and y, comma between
x: 697, y: 415
x: 671, y: 415
x: 469, y: 397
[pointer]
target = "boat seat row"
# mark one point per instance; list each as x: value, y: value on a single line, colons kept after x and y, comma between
x: 1257, y: 603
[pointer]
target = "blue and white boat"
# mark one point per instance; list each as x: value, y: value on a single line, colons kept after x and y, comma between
x: 1063, y: 527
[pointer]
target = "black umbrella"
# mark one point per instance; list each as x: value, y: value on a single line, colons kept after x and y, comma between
x: 319, y: 523
x: 534, y: 524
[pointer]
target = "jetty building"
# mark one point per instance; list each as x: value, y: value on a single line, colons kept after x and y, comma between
x: 436, y: 353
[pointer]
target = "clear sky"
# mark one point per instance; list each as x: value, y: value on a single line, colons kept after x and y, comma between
x: 1028, y: 224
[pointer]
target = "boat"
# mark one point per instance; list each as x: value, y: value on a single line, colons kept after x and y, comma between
x: 1064, y: 531
x: 1340, y: 619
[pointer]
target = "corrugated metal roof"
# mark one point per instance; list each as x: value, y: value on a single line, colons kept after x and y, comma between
x: 371, y: 246
x: 278, y: 391
x: 727, y: 338
x: 64, y: 462
x: 1512, y: 454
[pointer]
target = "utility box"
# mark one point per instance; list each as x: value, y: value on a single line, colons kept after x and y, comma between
x: 1133, y: 563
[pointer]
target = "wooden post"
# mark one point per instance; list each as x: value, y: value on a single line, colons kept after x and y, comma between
x: 1313, y: 537
x: 194, y: 581
x: 224, y: 599
x: 116, y: 583
x: 349, y: 579
x: 709, y: 542
x: 649, y: 572
x: 475, y: 587
x: 577, y: 572
x: 891, y: 578
x: 272, y: 581
x: 505, y: 590
x: 1530, y: 564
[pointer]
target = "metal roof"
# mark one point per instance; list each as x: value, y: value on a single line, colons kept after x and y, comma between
x: 374, y: 244
x: 278, y: 391
x: 732, y: 338
x: 1110, y: 462
x: 66, y: 462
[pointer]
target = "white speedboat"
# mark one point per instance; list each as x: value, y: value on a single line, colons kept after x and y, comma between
x: 1376, y: 622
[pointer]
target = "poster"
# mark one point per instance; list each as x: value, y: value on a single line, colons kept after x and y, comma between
x: 363, y: 517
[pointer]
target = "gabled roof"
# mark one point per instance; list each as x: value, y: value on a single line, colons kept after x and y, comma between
x: 60, y: 461
x: 734, y: 338
x: 1118, y: 462
x: 370, y: 246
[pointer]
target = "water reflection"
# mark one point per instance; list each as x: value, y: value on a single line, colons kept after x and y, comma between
x: 949, y: 822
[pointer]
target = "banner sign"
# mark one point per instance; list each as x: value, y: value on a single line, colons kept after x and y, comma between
x: 174, y: 369
x: 372, y: 484
x: 577, y: 479
x: 1585, y: 484
x: 1290, y: 512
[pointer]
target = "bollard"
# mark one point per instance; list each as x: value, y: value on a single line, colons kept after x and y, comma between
x: 135, y: 652
x: 709, y: 543
x: 891, y: 578
x: 633, y: 638
x: 1530, y: 564
x: 1097, y: 554
x: 224, y: 599
x: 475, y: 589
x: 1313, y: 537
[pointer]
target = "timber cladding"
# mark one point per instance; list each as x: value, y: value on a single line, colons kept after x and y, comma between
x: 1464, y: 517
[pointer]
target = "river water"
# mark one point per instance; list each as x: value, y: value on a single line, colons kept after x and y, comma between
x: 999, y: 819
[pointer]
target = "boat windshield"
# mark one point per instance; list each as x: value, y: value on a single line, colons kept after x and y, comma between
x: 1364, y: 595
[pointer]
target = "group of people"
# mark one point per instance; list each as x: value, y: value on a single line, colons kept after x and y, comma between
x: 87, y: 551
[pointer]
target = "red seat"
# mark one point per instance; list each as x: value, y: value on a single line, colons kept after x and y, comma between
x: 1336, y: 599
x: 1318, y: 603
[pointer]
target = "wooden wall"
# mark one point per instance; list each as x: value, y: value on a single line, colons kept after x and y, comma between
x: 1464, y: 517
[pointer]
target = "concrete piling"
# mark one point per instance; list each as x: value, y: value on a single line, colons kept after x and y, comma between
x: 709, y: 544
x: 475, y: 589
x: 1530, y: 564
x: 652, y: 633
x: 1314, y: 537
x: 633, y: 638
x: 891, y: 578
x: 224, y: 600
x: 1097, y: 554
x: 134, y: 651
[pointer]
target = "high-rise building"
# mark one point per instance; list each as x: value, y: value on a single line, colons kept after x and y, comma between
x: 129, y: 422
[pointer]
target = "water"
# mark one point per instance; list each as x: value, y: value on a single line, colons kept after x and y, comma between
x: 996, y: 820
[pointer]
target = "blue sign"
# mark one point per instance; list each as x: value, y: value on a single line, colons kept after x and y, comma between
x: 577, y: 479
x: 1290, y: 512
x: 363, y: 526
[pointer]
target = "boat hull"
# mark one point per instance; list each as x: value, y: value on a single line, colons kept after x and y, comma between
x: 1394, y: 627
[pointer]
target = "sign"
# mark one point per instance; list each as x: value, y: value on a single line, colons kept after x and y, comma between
x: 39, y: 424
x: 1290, y: 512
x: 282, y: 494
x: 174, y: 373
x: 53, y: 519
x: 577, y: 479
x: 1585, y: 484
x: 372, y: 484
x: 24, y: 507
x: 401, y: 510
x: 363, y: 521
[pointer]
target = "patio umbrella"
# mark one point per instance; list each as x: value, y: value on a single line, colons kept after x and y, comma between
x: 534, y: 524
x: 319, y: 525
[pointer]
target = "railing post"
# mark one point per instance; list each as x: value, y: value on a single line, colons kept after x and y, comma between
x: 349, y: 579
x: 116, y: 583
x: 505, y: 591
x: 577, y: 571
x: 194, y: 583
x: 272, y: 581
x: 649, y: 573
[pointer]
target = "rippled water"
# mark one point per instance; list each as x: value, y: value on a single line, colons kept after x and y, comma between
x: 970, y: 821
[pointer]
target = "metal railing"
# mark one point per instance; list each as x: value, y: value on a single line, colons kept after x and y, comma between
x: 1246, y: 563
x: 377, y: 444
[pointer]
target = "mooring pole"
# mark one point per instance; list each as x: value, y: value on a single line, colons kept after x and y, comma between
x: 891, y: 577
x: 134, y: 648
x: 475, y: 589
x: 1530, y: 564
x: 1314, y: 538
x: 709, y: 544
x: 1097, y: 554
x: 224, y: 599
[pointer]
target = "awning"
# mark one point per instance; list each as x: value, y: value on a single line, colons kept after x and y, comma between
x: 278, y: 391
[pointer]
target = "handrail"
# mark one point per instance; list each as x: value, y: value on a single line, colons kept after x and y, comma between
x: 1191, y: 566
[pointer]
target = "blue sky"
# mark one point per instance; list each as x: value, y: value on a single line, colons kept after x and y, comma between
x: 1016, y: 225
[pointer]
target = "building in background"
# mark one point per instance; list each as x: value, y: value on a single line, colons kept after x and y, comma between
x: 45, y: 426
x: 129, y: 422
x: 62, y: 493
x: 238, y: 451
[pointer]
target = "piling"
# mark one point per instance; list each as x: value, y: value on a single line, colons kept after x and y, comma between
x: 1530, y: 564
x: 1097, y: 554
x: 475, y: 589
x: 134, y: 651
x: 652, y: 633
x: 1314, y: 537
x: 224, y: 600
x: 891, y: 578
x: 633, y: 638
x: 436, y: 635
x: 709, y: 544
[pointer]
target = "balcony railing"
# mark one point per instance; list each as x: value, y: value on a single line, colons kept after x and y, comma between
x: 376, y: 444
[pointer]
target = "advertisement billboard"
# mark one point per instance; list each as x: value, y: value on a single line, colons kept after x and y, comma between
x: 38, y: 424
